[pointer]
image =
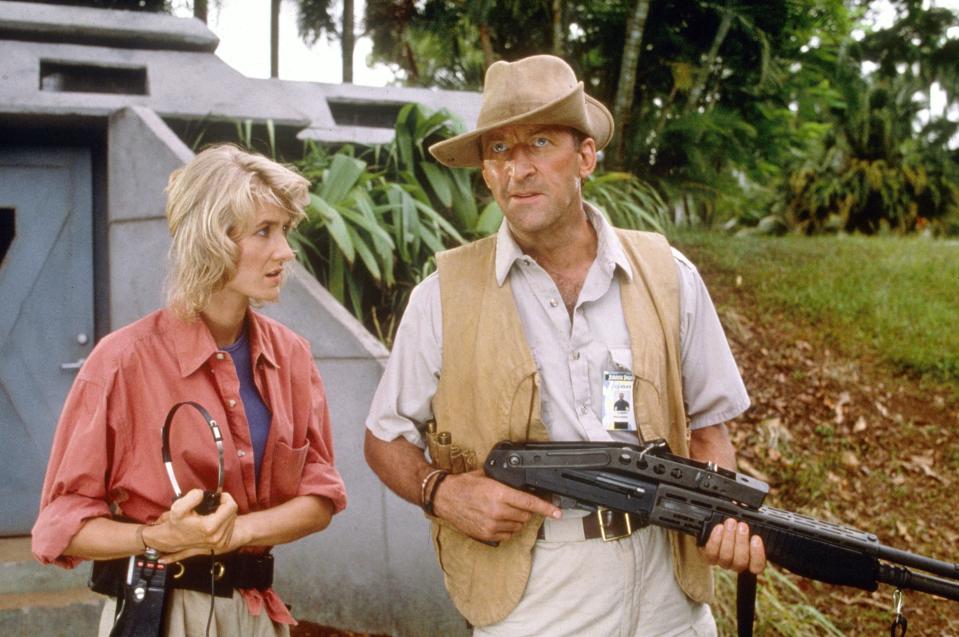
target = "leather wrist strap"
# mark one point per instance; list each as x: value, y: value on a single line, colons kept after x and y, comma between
x: 428, y: 503
x: 424, y: 488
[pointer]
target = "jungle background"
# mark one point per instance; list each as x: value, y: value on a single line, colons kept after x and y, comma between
x: 802, y: 153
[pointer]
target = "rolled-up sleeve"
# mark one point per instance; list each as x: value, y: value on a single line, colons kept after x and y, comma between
x: 73, y: 491
x: 320, y: 476
x: 403, y: 399
x: 713, y: 388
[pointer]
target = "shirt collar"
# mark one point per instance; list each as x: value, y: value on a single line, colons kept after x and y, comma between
x: 260, y: 343
x: 609, y: 251
x: 195, y: 345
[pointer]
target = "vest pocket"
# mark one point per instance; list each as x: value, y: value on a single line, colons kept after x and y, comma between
x: 456, y: 555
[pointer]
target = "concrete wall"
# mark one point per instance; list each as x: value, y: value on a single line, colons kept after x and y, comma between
x: 184, y: 80
x: 373, y: 569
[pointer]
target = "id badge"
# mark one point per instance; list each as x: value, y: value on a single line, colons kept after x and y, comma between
x: 618, y: 413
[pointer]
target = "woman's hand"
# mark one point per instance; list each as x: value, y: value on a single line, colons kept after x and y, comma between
x: 182, y: 532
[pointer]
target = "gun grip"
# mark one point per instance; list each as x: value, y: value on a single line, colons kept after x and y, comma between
x: 707, y: 528
x: 211, y: 500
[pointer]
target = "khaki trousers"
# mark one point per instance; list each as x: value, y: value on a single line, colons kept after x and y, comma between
x: 623, y: 588
x: 187, y: 612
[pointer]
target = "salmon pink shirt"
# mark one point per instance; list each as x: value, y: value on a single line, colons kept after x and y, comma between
x: 106, y: 457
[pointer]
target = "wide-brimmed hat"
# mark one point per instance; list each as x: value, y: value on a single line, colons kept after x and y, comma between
x: 541, y: 89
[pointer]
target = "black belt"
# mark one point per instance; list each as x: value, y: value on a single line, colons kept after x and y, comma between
x: 229, y: 571
x: 603, y: 523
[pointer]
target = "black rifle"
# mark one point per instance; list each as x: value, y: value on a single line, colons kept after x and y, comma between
x: 657, y: 487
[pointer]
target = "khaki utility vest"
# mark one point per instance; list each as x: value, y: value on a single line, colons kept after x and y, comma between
x: 489, y: 391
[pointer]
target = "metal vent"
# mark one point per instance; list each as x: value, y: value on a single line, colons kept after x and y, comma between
x: 69, y: 77
x: 366, y: 114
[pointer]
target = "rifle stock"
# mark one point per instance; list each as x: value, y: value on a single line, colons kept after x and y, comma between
x: 656, y: 487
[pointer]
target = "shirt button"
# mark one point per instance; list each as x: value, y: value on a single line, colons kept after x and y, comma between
x: 241, y: 453
x: 220, y: 356
x: 553, y: 303
x: 584, y: 410
x: 231, y: 403
x: 575, y: 356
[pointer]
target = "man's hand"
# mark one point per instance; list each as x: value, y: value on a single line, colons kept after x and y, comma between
x: 486, y: 509
x: 730, y: 547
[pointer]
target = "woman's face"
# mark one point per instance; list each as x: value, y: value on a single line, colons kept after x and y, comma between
x: 264, y: 250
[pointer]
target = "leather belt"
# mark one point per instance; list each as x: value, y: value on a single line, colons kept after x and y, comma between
x: 605, y: 524
x: 229, y: 571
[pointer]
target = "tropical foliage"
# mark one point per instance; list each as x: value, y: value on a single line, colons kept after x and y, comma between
x: 377, y: 216
x: 755, y: 112
x: 884, y: 162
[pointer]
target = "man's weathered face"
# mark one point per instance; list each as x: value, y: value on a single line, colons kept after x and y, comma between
x: 535, y: 174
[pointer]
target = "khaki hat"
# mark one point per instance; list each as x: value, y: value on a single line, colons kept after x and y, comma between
x: 541, y: 89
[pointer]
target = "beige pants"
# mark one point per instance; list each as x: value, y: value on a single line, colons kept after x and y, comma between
x: 187, y: 612
x: 623, y: 588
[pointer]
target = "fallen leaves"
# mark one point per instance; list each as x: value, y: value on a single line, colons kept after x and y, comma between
x: 883, y: 460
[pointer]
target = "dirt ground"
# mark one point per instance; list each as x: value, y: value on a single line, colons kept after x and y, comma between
x: 848, y: 441
x: 851, y: 442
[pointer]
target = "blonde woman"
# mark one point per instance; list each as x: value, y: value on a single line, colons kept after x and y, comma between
x: 107, y: 496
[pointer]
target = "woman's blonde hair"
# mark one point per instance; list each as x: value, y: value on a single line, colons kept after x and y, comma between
x: 211, y: 202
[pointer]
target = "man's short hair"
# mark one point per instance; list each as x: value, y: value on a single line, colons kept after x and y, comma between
x: 211, y: 203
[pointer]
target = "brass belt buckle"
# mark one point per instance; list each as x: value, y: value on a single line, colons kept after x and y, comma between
x: 602, y: 525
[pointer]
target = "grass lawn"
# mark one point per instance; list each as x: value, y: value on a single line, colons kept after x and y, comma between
x: 888, y: 297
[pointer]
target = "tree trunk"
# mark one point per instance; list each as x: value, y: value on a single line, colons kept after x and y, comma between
x: 200, y: 10
x: 486, y: 43
x: 699, y: 86
x: 623, y: 102
x: 274, y: 38
x: 559, y: 39
x: 347, y: 41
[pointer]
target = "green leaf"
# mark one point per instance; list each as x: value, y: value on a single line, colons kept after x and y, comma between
x: 439, y: 181
x: 438, y: 219
x: 490, y: 219
x: 464, y: 201
x: 336, y: 225
x: 341, y: 177
x: 337, y: 273
x: 366, y: 256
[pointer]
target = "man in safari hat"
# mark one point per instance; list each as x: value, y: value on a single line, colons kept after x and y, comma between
x: 530, y: 335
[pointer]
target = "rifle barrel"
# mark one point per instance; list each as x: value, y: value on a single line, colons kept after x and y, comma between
x: 901, y: 577
x: 923, y: 563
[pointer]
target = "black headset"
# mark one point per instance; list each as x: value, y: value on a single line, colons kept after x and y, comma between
x: 211, y: 499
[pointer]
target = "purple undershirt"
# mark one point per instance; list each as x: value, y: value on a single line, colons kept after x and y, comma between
x: 258, y: 415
